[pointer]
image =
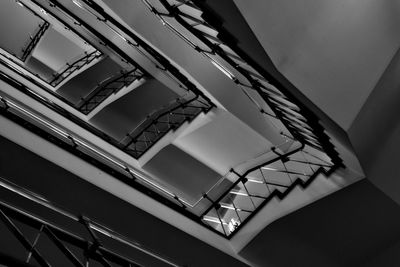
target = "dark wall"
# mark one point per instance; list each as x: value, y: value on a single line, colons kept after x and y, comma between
x: 58, y: 185
x: 343, y: 229
x: 375, y: 133
x: 390, y: 257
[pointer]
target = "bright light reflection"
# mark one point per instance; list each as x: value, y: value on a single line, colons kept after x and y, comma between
x: 223, y: 69
x: 239, y: 193
x: 255, y: 181
x: 269, y: 168
x: 77, y: 3
x: 212, y: 219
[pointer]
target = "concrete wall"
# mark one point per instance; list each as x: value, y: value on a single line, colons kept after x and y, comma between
x: 73, y: 193
x: 375, y: 132
x: 332, y: 51
x: 340, y: 230
x: 388, y: 258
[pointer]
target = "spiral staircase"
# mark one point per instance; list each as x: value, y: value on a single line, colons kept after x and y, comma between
x: 168, y: 109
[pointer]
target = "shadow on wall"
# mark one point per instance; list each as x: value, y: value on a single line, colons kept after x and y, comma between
x: 27, y: 169
x: 343, y: 229
x: 375, y: 133
x: 388, y: 258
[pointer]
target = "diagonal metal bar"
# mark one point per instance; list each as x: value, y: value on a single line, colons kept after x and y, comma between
x: 68, y: 253
x: 35, y: 243
x: 105, y: 89
x: 34, y: 40
x: 254, y: 77
x: 74, y: 66
x: 23, y: 240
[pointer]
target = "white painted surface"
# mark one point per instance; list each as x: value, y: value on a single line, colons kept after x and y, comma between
x: 223, y: 91
x: 223, y: 143
x: 332, y: 51
x: 88, y: 172
x: 54, y: 50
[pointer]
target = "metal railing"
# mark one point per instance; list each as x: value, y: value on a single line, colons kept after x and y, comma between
x: 253, y: 189
x: 159, y: 123
x: 132, y: 40
x: 211, y: 40
x: 107, y: 88
x: 70, y: 68
x: 61, y: 238
x: 34, y: 40
x: 217, y: 197
x: 226, y: 203
x: 85, y: 150
x: 127, y: 36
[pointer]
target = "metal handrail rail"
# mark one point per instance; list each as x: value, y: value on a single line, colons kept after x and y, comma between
x: 130, y: 174
x: 174, y: 12
x: 126, y: 171
x: 166, y: 65
x: 136, y: 42
x: 218, y: 203
x: 150, y: 120
x: 74, y: 66
x: 34, y: 40
x: 135, y: 73
x: 172, y: 195
x: 93, y: 225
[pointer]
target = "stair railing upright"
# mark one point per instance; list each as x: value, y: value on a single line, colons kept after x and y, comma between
x: 293, y: 119
x: 71, y: 68
x: 157, y: 124
x: 34, y: 40
x: 301, y: 123
x: 83, y: 149
x: 130, y: 38
x: 107, y: 88
x: 258, y: 185
x: 59, y: 236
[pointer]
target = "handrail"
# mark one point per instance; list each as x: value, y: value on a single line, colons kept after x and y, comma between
x: 124, y: 173
x: 259, y: 79
x: 229, y: 228
x: 74, y: 66
x: 34, y: 40
x: 110, y: 86
x: 50, y: 104
x: 93, y: 225
x: 166, y: 65
x: 105, y: 17
x: 137, y: 43
x: 75, y: 144
x: 45, y: 11
x: 151, y: 124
